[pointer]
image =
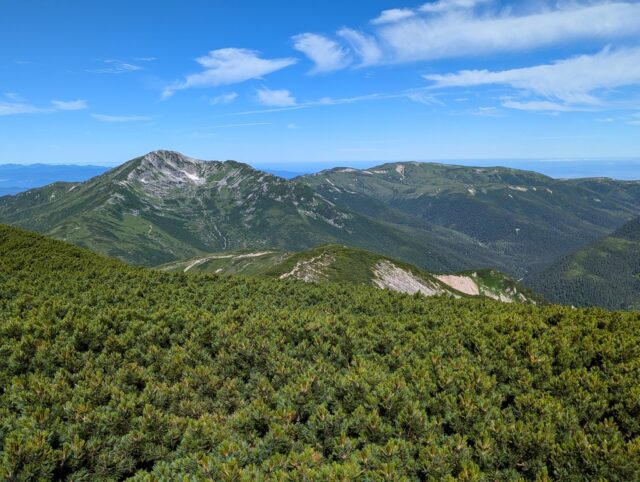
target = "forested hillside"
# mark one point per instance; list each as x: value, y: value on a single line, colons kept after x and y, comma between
x: 605, y: 273
x: 520, y: 220
x: 112, y: 373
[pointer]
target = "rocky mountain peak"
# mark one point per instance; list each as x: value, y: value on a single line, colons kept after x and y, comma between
x: 168, y: 168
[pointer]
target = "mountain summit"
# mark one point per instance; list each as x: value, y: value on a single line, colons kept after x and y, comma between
x: 165, y: 206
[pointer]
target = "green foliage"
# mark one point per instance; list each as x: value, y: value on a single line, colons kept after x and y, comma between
x: 605, y: 273
x: 110, y: 373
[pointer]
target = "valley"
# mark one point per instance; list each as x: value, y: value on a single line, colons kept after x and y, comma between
x: 605, y: 273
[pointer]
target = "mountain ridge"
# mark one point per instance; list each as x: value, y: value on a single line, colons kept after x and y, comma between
x: 166, y: 206
x: 520, y: 220
x: 343, y: 264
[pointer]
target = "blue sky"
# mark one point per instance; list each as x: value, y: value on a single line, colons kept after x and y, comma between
x: 281, y: 83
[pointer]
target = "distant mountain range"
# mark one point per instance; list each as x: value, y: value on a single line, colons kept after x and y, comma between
x: 515, y: 221
x: 165, y: 207
x: 15, y: 178
x: 343, y: 264
x: 606, y: 273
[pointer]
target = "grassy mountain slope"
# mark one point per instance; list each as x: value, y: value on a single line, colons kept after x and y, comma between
x: 517, y: 221
x: 342, y: 264
x: 605, y: 273
x: 165, y: 206
x: 117, y: 373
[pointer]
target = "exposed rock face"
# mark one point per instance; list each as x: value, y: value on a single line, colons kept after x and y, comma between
x: 392, y: 277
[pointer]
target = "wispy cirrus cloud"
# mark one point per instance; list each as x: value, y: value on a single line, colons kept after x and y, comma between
x: 228, y: 66
x: 120, y: 118
x: 467, y: 28
x: 464, y: 34
x: 244, y: 124
x: 447, y: 29
x: 224, y: 99
x: 443, y: 6
x: 12, y: 96
x: 275, y: 98
x: 115, y: 66
x: 327, y: 54
x: 16, y: 104
x: 570, y: 84
x: 393, y: 15
x: 70, y: 104
x: 421, y: 95
x: 13, y: 108
x: 365, y: 46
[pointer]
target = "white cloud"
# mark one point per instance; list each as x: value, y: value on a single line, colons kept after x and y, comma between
x: 415, y: 95
x: 19, y: 105
x: 120, y: 118
x: 229, y: 66
x: 486, y: 112
x: 365, y: 46
x: 393, y: 15
x: 275, y: 98
x: 115, y: 66
x: 422, y: 98
x: 224, y: 98
x: 245, y: 124
x: 440, y: 6
x: 13, y: 108
x: 326, y: 54
x: 566, y: 84
x: 69, y: 105
x: 538, y: 106
x: 14, y: 97
x: 463, y: 33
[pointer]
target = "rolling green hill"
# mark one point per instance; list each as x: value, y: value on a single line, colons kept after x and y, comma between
x: 342, y: 264
x: 606, y: 273
x: 111, y: 372
x: 165, y: 206
x: 512, y: 220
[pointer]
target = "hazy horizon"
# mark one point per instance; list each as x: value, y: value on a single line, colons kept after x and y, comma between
x: 622, y: 169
